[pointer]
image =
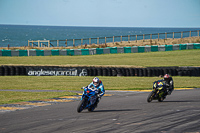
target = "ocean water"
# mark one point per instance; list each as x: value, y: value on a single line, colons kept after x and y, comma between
x: 18, y: 35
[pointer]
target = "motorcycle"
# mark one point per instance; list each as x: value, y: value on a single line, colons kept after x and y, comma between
x: 159, y: 91
x: 89, y: 99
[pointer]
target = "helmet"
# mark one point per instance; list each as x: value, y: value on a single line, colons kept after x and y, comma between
x: 96, y: 81
x: 166, y: 77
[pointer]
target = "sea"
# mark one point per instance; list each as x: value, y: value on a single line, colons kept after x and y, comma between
x: 18, y: 35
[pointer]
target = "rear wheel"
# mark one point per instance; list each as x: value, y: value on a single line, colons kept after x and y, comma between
x: 160, y: 99
x: 150, y: 97
x: 81, y: 105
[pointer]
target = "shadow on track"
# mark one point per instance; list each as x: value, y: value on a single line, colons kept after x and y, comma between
x: 184, y: 101
x: 120, y: 110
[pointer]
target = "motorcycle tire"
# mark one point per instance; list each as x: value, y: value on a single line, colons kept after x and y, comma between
x: 91, y: 108
x: 150, y: 97
x: 160, y: 99
x: 81, y: 105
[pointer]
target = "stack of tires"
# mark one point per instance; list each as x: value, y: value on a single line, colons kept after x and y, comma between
x: 108, y: 71
x: 12, y: 70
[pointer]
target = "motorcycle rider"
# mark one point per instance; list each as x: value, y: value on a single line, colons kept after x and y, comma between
x: 169, y: 83
x: 97, y: 84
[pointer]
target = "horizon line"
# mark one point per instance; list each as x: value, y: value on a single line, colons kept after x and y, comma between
x: 99, y: 26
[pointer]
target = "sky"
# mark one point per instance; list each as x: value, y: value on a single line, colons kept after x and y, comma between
x: 101, y: 13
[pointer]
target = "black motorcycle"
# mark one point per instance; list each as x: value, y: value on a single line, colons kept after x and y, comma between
x: 159, y: 91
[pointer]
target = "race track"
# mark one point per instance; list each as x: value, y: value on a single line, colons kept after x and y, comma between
x: 123, y: 112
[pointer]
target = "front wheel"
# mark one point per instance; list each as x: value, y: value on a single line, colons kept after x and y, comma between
x: 81, y: 105
x: 91, y: 108
x: 150, y: 97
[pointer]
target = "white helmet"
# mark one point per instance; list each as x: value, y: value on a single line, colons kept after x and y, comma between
x: 96, y: 81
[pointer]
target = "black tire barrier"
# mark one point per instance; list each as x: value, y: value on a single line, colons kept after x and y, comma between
x: 127, y: 71
x: 149, y: 72
x: 7, y: 71
x: 144, y: 72
x: 94, y: 72
x: 114, y: 72
x: 12, y: 71
x: 109, y: 71
x: 103, y: 71
x: 99, y: 72
x: 2, y: 71
x: 132, y: 72
x: 90, y: 71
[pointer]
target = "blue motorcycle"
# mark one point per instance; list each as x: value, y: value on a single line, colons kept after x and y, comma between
x: 159, y: 91
x: 89, y: 100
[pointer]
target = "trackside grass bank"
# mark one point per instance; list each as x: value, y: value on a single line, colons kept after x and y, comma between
x: 74, y: 84
x: 13, y: 96
x: 150, y: 59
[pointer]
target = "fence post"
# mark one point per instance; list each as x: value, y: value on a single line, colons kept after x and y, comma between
x: 113, y: 39
x: 166, y: 35
x: 105, y: 40
x: 97, y: 40
x: 143, y: 38
x: 173, y: 35
x: 48, y: 43
x: 66, y: 42
x: 181, y: 35
x: 32, y: 43
x: 89, y: 41
x: 28, y: 43
x: 190, y: 34
x: 81, y: 42
x: 150, y: 36
x: 136, y: 38
x: 57, y: 43
x: 121, y: 39
x: 128, y: 38
x: 38, y: 43
x: 73, y: 42
x: 158, y: 36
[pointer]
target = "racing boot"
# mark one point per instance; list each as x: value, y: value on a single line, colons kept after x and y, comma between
x: 170, y: 91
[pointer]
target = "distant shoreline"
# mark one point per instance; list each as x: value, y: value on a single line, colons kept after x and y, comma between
x: 92, y: 26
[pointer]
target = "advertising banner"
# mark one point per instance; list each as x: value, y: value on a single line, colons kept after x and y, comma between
x: 59, y: 71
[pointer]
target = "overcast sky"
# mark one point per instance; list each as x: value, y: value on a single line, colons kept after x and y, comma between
x: 109, y: 13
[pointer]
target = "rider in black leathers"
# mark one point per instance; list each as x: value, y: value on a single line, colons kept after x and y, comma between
x: 169, y: 83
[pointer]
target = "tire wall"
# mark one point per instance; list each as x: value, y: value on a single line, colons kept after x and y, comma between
x: 97, y: 71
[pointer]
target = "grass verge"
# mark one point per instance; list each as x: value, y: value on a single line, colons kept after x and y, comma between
x: 75, y: 83
x: 151, y: 59
x: 13, y: 97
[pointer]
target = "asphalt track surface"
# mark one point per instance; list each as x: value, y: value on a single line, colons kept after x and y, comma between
x: 123, y: 112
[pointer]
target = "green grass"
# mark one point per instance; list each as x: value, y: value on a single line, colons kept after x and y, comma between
x: 151, y: 59
x: 13, y: 97
x: 75, y: 82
